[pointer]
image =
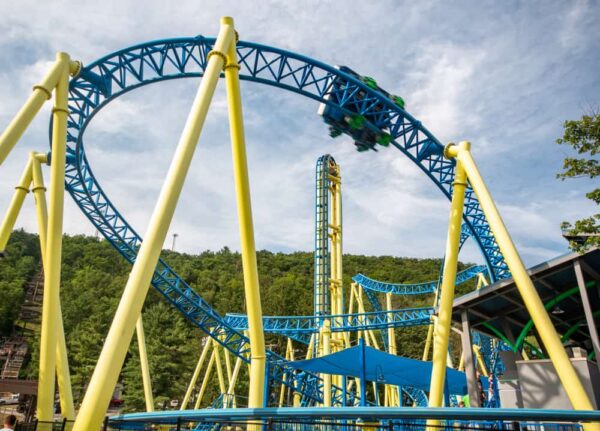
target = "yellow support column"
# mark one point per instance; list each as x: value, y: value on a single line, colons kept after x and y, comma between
x: 571, y: 383
x: 370, y: 337
x: 481, y: 281
x: 428, y: 342
x: 234, y: 376
x: 244, y: 207
x: 51, y: 303
x: 393, y: 350
x: 115, y: 348
x: 480, y: 361
x: 429, y: 338
x: 15, y: 206
x: 228, y: 368
x: 336, y: 288
x: 309, y: 355
x: 326, y: 343
x: 63, y: 376
x: 192, y: 385
x: 289, y: 356
x: 228, y: 395
x: 207, y: 375
x: 219, y: 364
x: 442, y: 327
x: 141, y: 337
x: 391, y: 333
x: 41, y: 93
x: 336, y: 278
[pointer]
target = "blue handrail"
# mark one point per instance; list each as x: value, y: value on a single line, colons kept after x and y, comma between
x: 355, y: 413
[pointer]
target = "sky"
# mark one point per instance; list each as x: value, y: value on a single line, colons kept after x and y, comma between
x: 503, y: 75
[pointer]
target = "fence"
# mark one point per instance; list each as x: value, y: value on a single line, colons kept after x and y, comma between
x: 344, y: 419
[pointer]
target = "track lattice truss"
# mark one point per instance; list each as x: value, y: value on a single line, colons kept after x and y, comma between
x: 300, y: 328
x: 130, y: 68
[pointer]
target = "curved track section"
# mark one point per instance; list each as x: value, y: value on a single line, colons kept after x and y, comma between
x: 372, y: 287
x: 414, y: 288
x: 130, y: 68
x: 300, y: 328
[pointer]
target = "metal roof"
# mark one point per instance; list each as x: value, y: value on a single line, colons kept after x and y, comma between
x: 499, y: 309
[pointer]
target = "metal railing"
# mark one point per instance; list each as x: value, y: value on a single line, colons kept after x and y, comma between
x: 343, y: 419
x: 62, y: 425
x: 323, y: 425
x: 357, y: 419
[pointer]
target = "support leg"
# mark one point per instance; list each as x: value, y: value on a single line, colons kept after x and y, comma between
x: 569, y: 379
x: 220, y: 374
x: 207, y: 375
x: 244, y: 206
x: 21, y: 190
x: 465, y: 338
x: 391, y: 390
x: 442, y: 328
x: 192, y: 385
x: 587, y: 310
x: 49, y: 327
x: 511, y: 337
x: 139, y: 328
x: 326, y: 342
x: 67, y: 407
x: 41, y: 93
x: 115, y: 348
x: 289, y: 356
x: 480, y: 361
x: 234, y: 376
x: 429, y: 339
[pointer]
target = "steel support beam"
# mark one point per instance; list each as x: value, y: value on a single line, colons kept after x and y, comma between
x: 508, y: 333
x: 63, y: 377
x: 246, y: 225
x: 587, y: 309
x: 53, y: 262
x: 469, y: 363
x: 444, y: 321
x: 566, y: 373
x: 144, y: 366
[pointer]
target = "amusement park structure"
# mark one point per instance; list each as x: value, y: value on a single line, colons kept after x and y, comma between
x: 351, y: 105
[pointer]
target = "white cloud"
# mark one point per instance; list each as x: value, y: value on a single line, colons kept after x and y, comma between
x: 490, y: 74
x: 442, y: 76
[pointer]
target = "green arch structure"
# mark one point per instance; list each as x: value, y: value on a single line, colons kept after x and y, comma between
x: 548, y: 305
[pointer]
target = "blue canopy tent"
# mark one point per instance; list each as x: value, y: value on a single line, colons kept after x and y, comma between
x: 373, y: 365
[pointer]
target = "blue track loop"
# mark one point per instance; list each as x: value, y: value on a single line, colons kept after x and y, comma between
x: 114, y: 75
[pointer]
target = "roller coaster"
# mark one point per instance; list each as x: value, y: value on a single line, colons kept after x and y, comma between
x: 351, y: 105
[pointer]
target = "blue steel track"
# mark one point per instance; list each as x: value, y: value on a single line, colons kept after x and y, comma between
x: 118, y: 73
x: 413, y: 288
x: 300, y: 328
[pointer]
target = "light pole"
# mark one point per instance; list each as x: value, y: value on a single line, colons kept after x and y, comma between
x: 175, y: 235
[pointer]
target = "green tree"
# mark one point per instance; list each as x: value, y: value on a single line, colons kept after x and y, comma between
x: 20, y: 262
x: 583, y: 136
x: 93, y: 278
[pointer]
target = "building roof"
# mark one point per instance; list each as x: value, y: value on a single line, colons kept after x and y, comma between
x: 498, y: 309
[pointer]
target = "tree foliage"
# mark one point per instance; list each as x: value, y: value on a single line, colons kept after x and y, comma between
x: 19, y: 264
x: 94, y: 275
x: 583, y: 136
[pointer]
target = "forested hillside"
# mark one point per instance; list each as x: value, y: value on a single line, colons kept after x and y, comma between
x: 94, y: 275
